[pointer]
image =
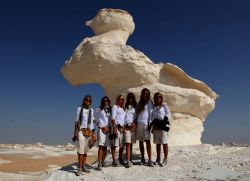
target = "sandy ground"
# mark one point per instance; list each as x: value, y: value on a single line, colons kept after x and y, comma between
x: 37, y: 161
x: 199, y: 162
x: 25, y: 163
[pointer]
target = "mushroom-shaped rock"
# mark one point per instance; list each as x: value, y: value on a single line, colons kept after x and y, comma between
x: 113, y: 24
x: 105, y: 59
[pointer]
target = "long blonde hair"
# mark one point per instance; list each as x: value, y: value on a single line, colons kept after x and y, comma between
x: 120, y: 97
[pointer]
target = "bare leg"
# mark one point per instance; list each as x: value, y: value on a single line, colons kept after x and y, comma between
x: 120, y: 153
x: 100, y: 157
x: 104, y: 153
x: 78, y: 156
x: 165, y: 149
x: 113, y: 153
x: 141, y: 149
x: 100, y: 154
x: 84, y: 160
x: 148, y: 144
x: 131, y: 148
x: 81, y: 161
x: 128, y: 151
x: 158, y: 151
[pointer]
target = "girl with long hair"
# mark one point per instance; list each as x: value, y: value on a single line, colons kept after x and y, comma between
x: 144, y: 110
x: 103, y: 118
x: 130, y: 125
x: 84, y: 122
x: 160, y: 116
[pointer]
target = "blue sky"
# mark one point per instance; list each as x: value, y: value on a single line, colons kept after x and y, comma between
x: 208, y: 39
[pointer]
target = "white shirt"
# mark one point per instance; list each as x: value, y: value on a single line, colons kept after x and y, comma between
x: 145, y: 116
x: 130, y: 115
x: 85, y: 116
x: 118, y: 114
x: 102, y: 118
x: 160, y: 111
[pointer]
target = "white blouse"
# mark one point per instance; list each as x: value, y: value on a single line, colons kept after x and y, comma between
x: 85, y: 116
x: 130, y: 115
x: 118, y: 114
x: 160, y: 111
x: 102, y: 118
x: 145, y: 116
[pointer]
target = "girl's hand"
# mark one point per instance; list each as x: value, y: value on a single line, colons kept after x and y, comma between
x: 113, y: 122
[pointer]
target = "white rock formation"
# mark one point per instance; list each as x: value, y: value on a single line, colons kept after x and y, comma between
x: 105, y: 59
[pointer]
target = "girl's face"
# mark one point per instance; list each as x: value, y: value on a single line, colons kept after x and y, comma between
x: 121, y: 102
x: 87, y: 101
x: 158, y: 99
x: 130, y: 100
x: 106, y: 102
x: 145, y: 95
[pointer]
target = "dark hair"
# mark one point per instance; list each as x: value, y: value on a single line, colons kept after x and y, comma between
x: 158, y: 94
x: 142, y: 102
x: 134, y: 103
x: 103, y: 102
x: 85, y: 97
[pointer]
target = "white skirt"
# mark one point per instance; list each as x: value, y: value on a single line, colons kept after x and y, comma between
x: 160, y: 137
x: 142, y: 133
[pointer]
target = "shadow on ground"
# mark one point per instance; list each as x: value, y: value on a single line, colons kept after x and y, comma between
x: 73, y: 168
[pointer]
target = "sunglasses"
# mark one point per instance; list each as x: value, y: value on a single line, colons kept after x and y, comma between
x: 88, y: 100
x: 159, y: 96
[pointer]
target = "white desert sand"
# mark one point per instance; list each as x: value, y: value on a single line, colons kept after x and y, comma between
x: 32, y: 162
x: 199, y: 162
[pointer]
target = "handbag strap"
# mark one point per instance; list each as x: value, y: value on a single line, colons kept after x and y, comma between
x: 80, y: 116
x: 149, y: 106
x: 89, y: 118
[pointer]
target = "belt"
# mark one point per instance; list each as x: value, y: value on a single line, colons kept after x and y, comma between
x: 130, y: 127
x: 156, y: 129
x: 121, y: 128
x: 105, y: 129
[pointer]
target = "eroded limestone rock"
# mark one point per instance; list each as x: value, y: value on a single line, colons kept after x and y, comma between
x: 107, y: 60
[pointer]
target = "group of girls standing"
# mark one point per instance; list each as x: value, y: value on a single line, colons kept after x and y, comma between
x: 120, y: 126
